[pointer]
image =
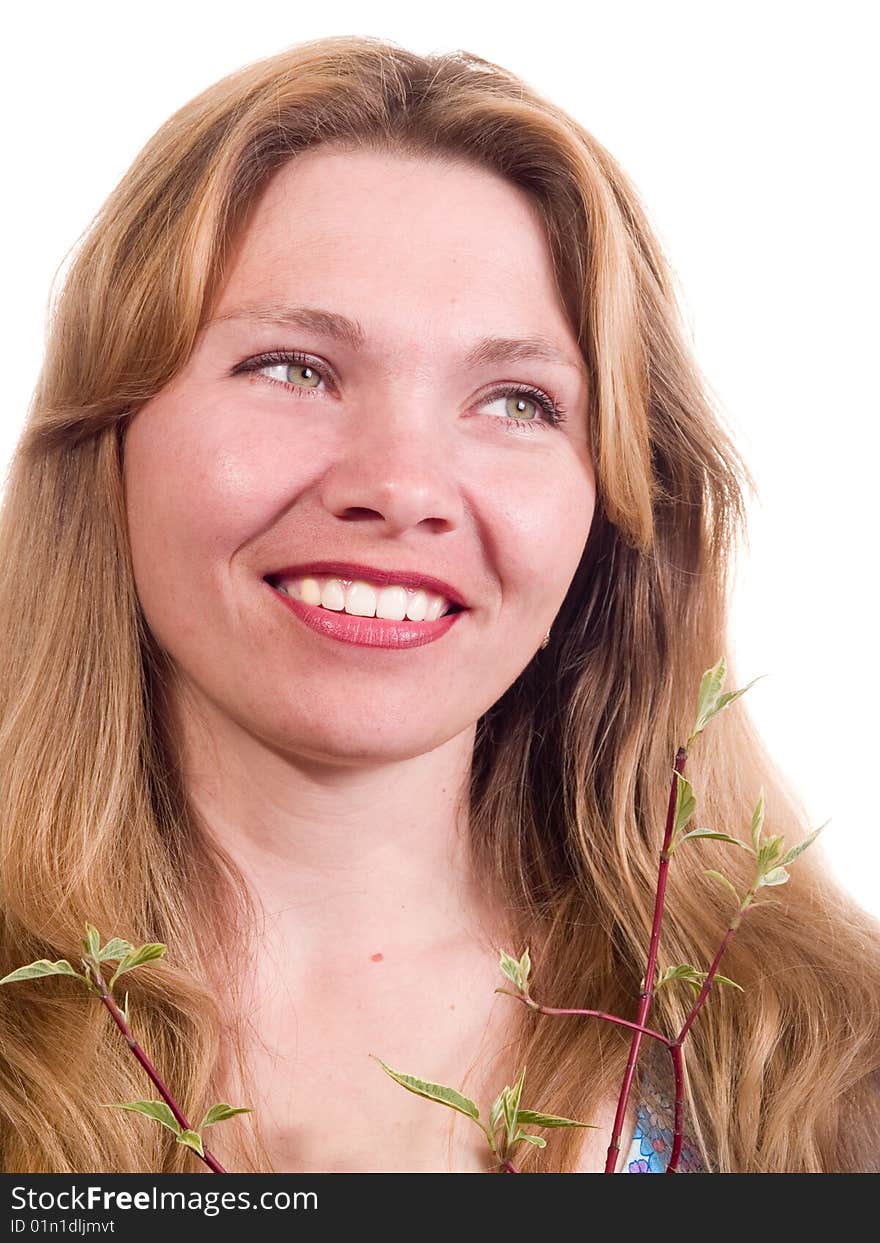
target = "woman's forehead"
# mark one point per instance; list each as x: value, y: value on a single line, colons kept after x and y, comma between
x: 401, y: 237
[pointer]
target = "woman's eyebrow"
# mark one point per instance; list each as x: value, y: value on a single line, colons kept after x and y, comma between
x: 350, y: 332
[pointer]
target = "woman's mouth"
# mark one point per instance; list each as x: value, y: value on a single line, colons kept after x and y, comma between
x: 347, y: 611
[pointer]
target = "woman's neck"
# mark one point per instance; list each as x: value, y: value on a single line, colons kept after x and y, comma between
x: 349, y: 864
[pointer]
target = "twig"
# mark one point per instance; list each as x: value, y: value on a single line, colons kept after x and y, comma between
x: 598, y: 1014
x: 678, y: 1116
x: 675, y: 1045
x: 648, y: 990
x: 118, y: 1018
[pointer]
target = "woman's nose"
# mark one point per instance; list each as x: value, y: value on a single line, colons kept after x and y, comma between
x: 397, y: 465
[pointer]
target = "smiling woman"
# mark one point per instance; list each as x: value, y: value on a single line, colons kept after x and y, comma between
x: 361, y: 556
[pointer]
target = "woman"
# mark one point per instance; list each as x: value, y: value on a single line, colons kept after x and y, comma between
x: 363, y: 330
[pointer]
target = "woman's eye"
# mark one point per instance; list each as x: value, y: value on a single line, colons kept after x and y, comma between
x: 301, y: 375
x: 519, y: 407
x: 522, y: 408
x: 525, y: 409
x: 291, y: 370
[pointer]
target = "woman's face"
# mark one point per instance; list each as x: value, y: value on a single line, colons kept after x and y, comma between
x: 394, y: 451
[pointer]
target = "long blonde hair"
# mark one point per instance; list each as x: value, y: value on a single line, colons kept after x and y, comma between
x: 572, y: 766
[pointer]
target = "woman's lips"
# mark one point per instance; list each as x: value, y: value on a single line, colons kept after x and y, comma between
x: 367, y: 631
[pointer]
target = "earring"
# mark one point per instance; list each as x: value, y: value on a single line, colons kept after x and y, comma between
x: 546, y: 639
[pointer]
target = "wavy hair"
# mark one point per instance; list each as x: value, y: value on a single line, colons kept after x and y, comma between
x: 572, y: 766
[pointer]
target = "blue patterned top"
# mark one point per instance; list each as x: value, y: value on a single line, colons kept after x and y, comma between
x: 651, y: 1147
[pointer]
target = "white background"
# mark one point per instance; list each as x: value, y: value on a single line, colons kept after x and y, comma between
x: 750, y: 131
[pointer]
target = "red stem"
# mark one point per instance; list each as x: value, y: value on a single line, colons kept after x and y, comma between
x: 639, y: 1028
x: 675, y: 1045
x: 710, y: 975
x: 648, y: 987
x: 678, y: 1119
x: 598, y: 1014
x: 148, y: 1066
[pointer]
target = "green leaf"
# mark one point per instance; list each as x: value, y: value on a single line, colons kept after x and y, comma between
x: 711, y: 701
x: 685, y: 803
x: 732, y: 696
x: 92, y: 941
x: 512, y: 969
x: 41, y: 967
x: 684, y: 971
x: 802, y: 846
x: 193, y: 1140
x: 219, y: 1113
x: 144, y: 953
x: 432, y: 1091
x: 722, y: 979
x: 114, y: 949
x: 710, y: 688
x: 496, y: 1111
x: 776, y: 876
x: 723, y: 880
x: 530, y: 1118
x: 758, y: 821
x: 719, y: 837
x: 525, y: 966
x: 769, y: 851
x: 530, y: 1139
x: 152, y: 1109
x: 511, y: 1104
x: 509, y: 1119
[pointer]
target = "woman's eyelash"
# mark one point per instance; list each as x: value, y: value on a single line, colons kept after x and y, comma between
x: 553, y: 410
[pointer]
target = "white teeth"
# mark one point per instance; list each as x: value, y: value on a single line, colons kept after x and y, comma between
x: 391, y: 603
x: 361, y: 599
x: 310, y: 590
x: 332, y: 595
x: 436, y: 606
x: 417, y: 609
